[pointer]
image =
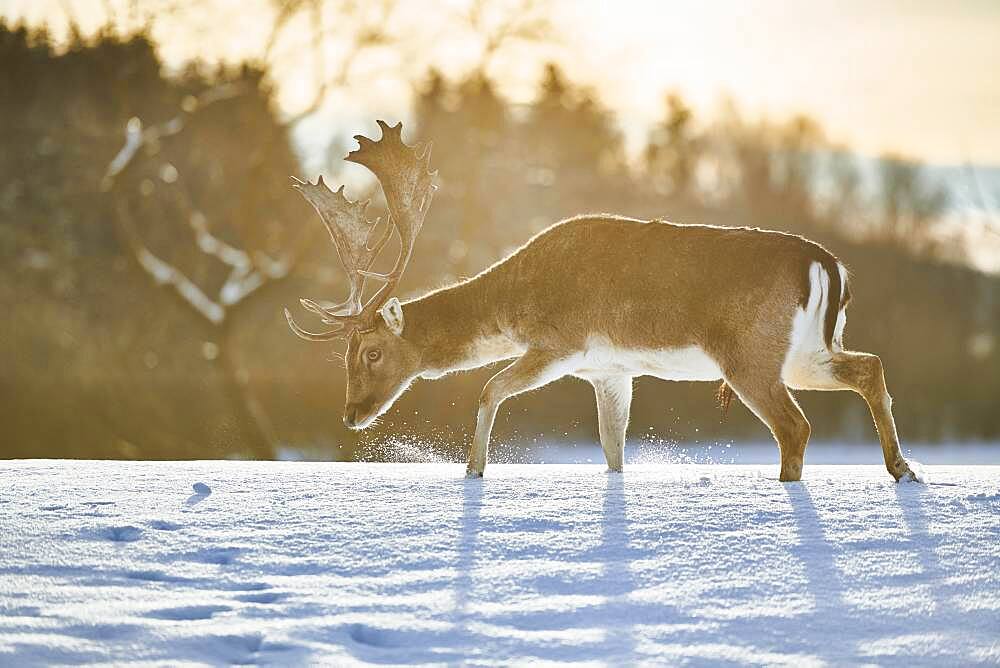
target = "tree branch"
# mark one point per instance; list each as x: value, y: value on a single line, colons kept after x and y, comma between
x: 163, y: 273
x: 369, y: 35
x: 136, y: 137
x: 246, y: 274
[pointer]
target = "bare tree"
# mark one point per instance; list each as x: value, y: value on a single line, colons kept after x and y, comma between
x: 909, y: 202
x: 339, y: 41
x: 361, y: 27
x: 845, y: 200
x: 502, y: 23
x: 247, y: 271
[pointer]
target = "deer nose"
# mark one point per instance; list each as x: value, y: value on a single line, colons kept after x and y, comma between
x: 350, y: 416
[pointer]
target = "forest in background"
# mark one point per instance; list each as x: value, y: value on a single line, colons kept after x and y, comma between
x: 149, y: 241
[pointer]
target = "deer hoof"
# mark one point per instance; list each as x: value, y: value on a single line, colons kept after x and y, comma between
x: 901, y: 471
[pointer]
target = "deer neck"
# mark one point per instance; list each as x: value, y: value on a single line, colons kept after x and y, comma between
x: 455, y: 328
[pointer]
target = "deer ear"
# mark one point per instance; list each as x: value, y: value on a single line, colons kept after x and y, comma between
x: 392, y: 313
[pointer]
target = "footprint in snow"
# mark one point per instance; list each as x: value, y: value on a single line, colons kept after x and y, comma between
x: 201, y: 492
x: 221, y: 556
x: 123, y: 534
x: 188, y: 612
x: 374, y: 636
x: 262, y: 597
x: 243, y: 586
x: 153, y: 576
x: 238, y: 649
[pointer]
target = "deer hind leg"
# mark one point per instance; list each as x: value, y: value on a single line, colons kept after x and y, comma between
x: 614, y: 400
x: 530, y: 371
x: 771, y: 402
x: 863, y: 373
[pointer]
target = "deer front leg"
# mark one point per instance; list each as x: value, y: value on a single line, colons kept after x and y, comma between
x: 530, y: 371
x: 614, y: 400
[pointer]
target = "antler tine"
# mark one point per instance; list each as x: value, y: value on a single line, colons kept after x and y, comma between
x: 329, y: 314
x: 351, y: 233
x: 408, y: 185
x: 328, y: 335
x: 350, y: 230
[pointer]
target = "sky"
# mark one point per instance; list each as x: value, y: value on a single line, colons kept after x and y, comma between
x: 913, y: 77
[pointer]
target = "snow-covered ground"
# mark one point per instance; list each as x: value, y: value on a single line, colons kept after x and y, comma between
x: 338, y: 564
x: 658, y: 451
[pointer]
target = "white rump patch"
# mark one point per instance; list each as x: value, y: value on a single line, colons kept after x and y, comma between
x: 838, y: 329
x: 807, y: 363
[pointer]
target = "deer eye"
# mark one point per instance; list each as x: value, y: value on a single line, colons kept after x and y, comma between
x: 373, y: 355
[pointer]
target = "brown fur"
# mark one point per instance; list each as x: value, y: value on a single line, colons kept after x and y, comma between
x: 732, y: 292
x: 627, y: 275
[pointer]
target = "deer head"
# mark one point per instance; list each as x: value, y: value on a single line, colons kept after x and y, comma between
x: 380, y: 362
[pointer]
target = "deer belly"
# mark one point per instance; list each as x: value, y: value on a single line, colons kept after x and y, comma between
x: 685, y: 363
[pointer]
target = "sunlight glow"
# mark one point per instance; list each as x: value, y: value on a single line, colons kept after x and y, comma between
x: 907, y: 77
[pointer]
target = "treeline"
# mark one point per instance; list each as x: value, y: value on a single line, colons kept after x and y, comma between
x: 149, y: 241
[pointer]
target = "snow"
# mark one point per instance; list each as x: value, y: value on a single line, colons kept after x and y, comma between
x: 655, y: 450
x: 357, y: 563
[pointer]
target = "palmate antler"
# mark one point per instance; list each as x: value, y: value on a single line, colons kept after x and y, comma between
x: 351, y: 231
x: 404, y: 175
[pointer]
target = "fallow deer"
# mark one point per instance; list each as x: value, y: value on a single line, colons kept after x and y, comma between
x: 604, y: 298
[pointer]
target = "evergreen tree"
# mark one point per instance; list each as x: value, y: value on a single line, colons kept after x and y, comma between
x: 573, y: 133
x: 674, y: 150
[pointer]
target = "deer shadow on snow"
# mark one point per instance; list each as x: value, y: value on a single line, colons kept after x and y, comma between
x: 618, y: 625
x: 878, y: 590
x: 486, y: 622
x: 533, y: 582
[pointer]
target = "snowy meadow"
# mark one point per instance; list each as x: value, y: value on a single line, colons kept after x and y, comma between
x: 624, y: 193
x: 356, y: 563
